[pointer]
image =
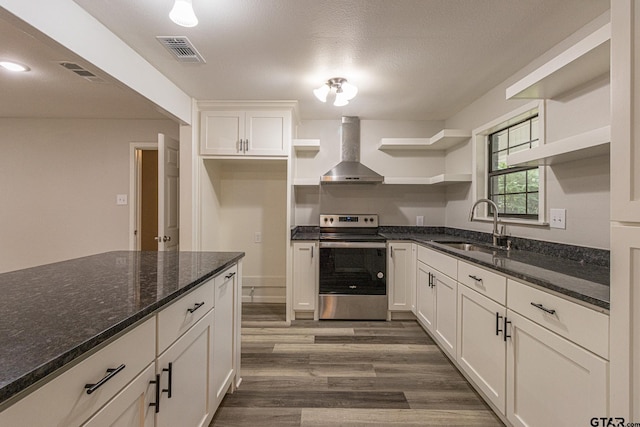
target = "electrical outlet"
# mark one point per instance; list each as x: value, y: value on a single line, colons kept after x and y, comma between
x: 121, y: 199
x: 257, y: 237
x: 419, y: 220
x: 558, y: 218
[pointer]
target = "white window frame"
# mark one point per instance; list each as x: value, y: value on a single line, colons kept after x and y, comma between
x: 480, y: 155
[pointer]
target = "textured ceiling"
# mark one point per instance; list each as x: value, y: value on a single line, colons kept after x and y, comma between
x: 411, y: 59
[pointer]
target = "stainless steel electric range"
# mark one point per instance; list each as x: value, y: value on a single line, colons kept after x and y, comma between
x: 353, y: 268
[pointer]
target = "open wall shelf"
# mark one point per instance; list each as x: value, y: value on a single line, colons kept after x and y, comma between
x: 306, y: 144
x: 588, y: 144
x: 443, y: 140
x: 443, y: 179
x: 581, y: 63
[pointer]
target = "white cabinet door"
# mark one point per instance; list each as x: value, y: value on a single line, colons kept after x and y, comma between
x: 185, y: 371
x: 223, y: 327
x: 132, y: 407
x: 268, y: 133
x: 221, y: 132
x: 425, y: 297
x: 446, y: 290
x: 261, y: 133
x: 305, y: 275
x: 400, y: 276
x: 551, y: 381
x: 481, y: 345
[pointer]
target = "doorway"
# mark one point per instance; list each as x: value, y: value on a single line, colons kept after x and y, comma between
x: 148, y: 192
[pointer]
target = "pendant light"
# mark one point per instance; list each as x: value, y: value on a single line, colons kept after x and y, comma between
x: 183, y: 14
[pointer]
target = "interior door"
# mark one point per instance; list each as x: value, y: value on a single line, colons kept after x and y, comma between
x: 168, y: 196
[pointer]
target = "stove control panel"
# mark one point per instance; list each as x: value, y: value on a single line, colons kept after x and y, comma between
x: 351, y: 221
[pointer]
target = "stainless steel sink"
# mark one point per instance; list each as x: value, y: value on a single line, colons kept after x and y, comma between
x: 466, y: 246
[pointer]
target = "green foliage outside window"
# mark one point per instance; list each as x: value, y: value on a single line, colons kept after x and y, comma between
x: 514, y: 189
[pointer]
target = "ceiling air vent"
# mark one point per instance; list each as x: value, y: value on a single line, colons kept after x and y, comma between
x: 82, y: 72
x: 181, y: 48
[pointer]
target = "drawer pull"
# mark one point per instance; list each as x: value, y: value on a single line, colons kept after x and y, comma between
x: 169, y: 370
x: 111, y: 372
x: 156, y: 404
x: 543, y: 308
x: 476, y: 278
x: 195, y: 307
x: 498, y: 330
x: 230, y: 275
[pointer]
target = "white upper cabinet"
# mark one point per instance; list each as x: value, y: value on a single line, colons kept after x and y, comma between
x: 256, y: 133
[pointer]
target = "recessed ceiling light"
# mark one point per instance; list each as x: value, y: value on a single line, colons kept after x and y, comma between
x: 14, y: 66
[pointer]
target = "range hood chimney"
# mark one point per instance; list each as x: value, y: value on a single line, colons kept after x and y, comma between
x: 350, y: 170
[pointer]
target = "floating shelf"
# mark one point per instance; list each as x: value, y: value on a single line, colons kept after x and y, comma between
x: 306, y: 182
x: 581, y: 63
x: 588, y: 144
x: 443, y: 179
x: 306, y: 144
x: 443, y: 140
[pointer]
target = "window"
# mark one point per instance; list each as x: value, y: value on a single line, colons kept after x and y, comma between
x: 515, y: 190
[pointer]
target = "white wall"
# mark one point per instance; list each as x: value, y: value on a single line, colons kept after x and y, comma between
x: 240, y: 198
x: 58, y: 183
x: 396, y: 204
x: 580, y: 187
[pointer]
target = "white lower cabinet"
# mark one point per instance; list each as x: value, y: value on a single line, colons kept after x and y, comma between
x: 305, y: 275
x: 224, y: 334
x: 184, y: 370
x: 401, y: 276
x: 550, y: 380
x: 481, y: 343
x: 446, y: 312
x: 425, y: 297
x: 132, y: 407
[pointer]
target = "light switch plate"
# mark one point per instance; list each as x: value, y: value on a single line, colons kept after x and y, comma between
x: 121, y: 199
x: 419, y: 220
x: 257, y: 237
x: 558, y: 218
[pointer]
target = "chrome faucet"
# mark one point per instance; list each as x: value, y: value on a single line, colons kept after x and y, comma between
x: 498, y: 237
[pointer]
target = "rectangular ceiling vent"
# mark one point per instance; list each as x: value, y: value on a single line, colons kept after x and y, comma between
x: 82, y: 72
x: 181, y: 48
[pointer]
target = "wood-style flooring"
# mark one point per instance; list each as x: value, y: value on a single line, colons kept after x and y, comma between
x: 345, y: 373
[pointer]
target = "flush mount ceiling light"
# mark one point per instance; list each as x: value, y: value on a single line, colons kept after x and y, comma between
x: 14, y: 66
x: 183, y: 14
x: 345, y: 91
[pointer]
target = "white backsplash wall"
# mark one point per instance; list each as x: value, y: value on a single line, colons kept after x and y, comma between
x: 396, y: 204
x: 581, y: 187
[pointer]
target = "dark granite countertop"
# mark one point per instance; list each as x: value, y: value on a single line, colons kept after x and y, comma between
x: 54, y: 313
x: 578, y: 280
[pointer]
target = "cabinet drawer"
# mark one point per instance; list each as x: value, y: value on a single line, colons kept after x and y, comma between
x: 225, y: 279
x: 64, y: 401
x: 441, y: 262
x: 483, y: 281
x: 177, y: 318
x: 579, y: 324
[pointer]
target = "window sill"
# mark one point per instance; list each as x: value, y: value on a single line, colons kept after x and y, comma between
x: 513, y: 221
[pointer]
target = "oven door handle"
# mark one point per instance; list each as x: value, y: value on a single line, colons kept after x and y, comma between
x: 353, y: 245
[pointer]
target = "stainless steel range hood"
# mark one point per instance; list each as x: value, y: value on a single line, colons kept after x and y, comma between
x: 350, y: 170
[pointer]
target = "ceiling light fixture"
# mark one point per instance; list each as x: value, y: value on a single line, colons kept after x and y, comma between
x: 183, y: 14
x: 14, y: 66
x: 345, y: 91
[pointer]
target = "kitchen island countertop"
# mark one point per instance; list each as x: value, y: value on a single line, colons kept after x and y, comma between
x: 55, y: 313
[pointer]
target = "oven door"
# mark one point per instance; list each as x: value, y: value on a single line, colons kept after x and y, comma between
x: 353, y: 281
x: 353, y: 268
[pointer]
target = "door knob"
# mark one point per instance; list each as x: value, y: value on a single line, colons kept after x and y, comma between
x: 166, y: 239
